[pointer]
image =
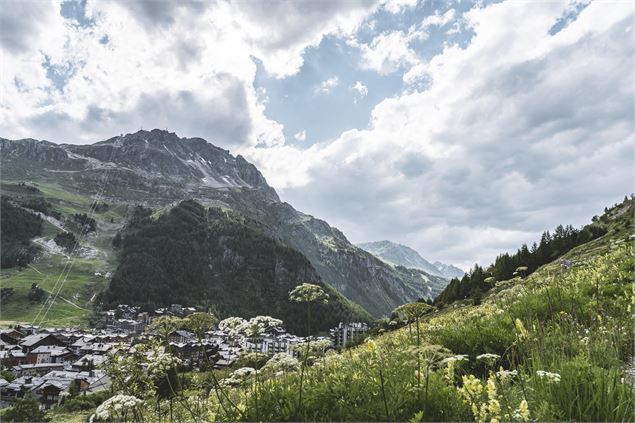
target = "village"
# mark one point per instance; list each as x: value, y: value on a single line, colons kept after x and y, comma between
x: 51, y: 363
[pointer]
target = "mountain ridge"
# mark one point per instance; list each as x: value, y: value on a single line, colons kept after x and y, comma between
x: 158, y: 169
x: 399, y: 254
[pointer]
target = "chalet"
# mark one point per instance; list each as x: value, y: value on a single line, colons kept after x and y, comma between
x: 52, y: 354
x: 95, y: 349
x: 10, y: 336
x: 31, y: 342
x: 54, y: 384
x: 14, y: 357
x: 18, y: 388
x: 36, y: 369
x: 88, y: 362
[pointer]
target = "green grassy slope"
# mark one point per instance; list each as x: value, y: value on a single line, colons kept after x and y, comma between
x: 52, y: 266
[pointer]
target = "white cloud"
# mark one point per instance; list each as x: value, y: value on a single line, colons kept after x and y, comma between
x: 279, y: 32
x: 195, y: 56
x: 360, y: 89
x: 398, y: 6
x: 327, y: 85
x: 438, y: 19
x: 515, y: 133
x: 388, y: 52
x: 300, y: 136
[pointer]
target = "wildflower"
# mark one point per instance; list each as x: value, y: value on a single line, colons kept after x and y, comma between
x: 116, y: 407
x: 471, y: 388
x: 239, y: 376
x: 548, y: 376
x: 258, y: 325
x: 280, y: 363
x: 488, y: 358
x: 522, y: 412
x: 232, y: 325
x: 491, y: 388
x: 308, y: 293
x: 370, y: 345
x: 161, y: 363
x: 521, y: 332
x: 454, y: 358
x: 506, y: 374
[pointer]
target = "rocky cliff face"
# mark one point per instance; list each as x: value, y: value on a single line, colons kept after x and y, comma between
x: 158, y: 168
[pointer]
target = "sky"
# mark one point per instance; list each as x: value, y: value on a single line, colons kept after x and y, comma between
x: 459, y: 128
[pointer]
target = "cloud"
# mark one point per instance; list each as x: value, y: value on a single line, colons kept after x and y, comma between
x: 279, y: 32
x: 25, y: 25
x: 438, y: 19
x: 62, y: 80
x: 515, y: 133
x: 399, y: 6
x: 360, y: 89
x: 300, y: 136
x: 525, y: 125
x: 388, y: 52
x: 327, y: 85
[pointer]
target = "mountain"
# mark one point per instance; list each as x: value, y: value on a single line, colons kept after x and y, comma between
x: 448, y: 270
x: 158, y: 169
x: 403, y: 255
x: 214, y: 258
x: 400, y: 254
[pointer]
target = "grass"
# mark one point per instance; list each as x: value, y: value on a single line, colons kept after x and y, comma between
x: 80, y: 286
x: 575, y: 324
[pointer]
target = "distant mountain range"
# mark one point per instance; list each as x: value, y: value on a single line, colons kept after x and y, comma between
x: 158, y: 170
x: 403, y: 255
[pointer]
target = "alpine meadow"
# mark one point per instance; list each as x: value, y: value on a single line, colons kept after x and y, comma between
x: 317, y: 211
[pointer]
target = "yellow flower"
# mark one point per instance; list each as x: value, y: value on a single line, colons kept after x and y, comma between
x: 370, y: 345
x: 491, y: 388
x: 523, y: 411
x: 520, y: 329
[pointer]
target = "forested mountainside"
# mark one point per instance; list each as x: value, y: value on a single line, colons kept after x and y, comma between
x: 158, y: 169
x: 18, y: 227
x: 616, y: 221
x: 217, y: 260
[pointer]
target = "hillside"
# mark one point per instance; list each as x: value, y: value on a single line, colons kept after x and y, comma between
x: 158, y: 169
x: 615, y: 222
x: 555, y: 345
x: 76, y: 281
x: 216, y: 259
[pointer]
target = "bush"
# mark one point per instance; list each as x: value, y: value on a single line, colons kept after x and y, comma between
x: 66, y: 240
x: 24, y: 410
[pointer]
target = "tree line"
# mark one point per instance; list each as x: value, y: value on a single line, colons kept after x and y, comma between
x: 524, y: 261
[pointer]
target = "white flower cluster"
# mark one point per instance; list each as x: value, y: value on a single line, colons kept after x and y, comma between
x: 454, y: 359
x: 115, y: 407
x: 308, y: 293
x: 259, y: 325
x: 232, y: 325
x: 488, y: 357
x: 159, y: 364
x: 235, y: 326
x: 506, y: 374
x: 281, y: 362
x: 239, y: 376
x: 548, y: 376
